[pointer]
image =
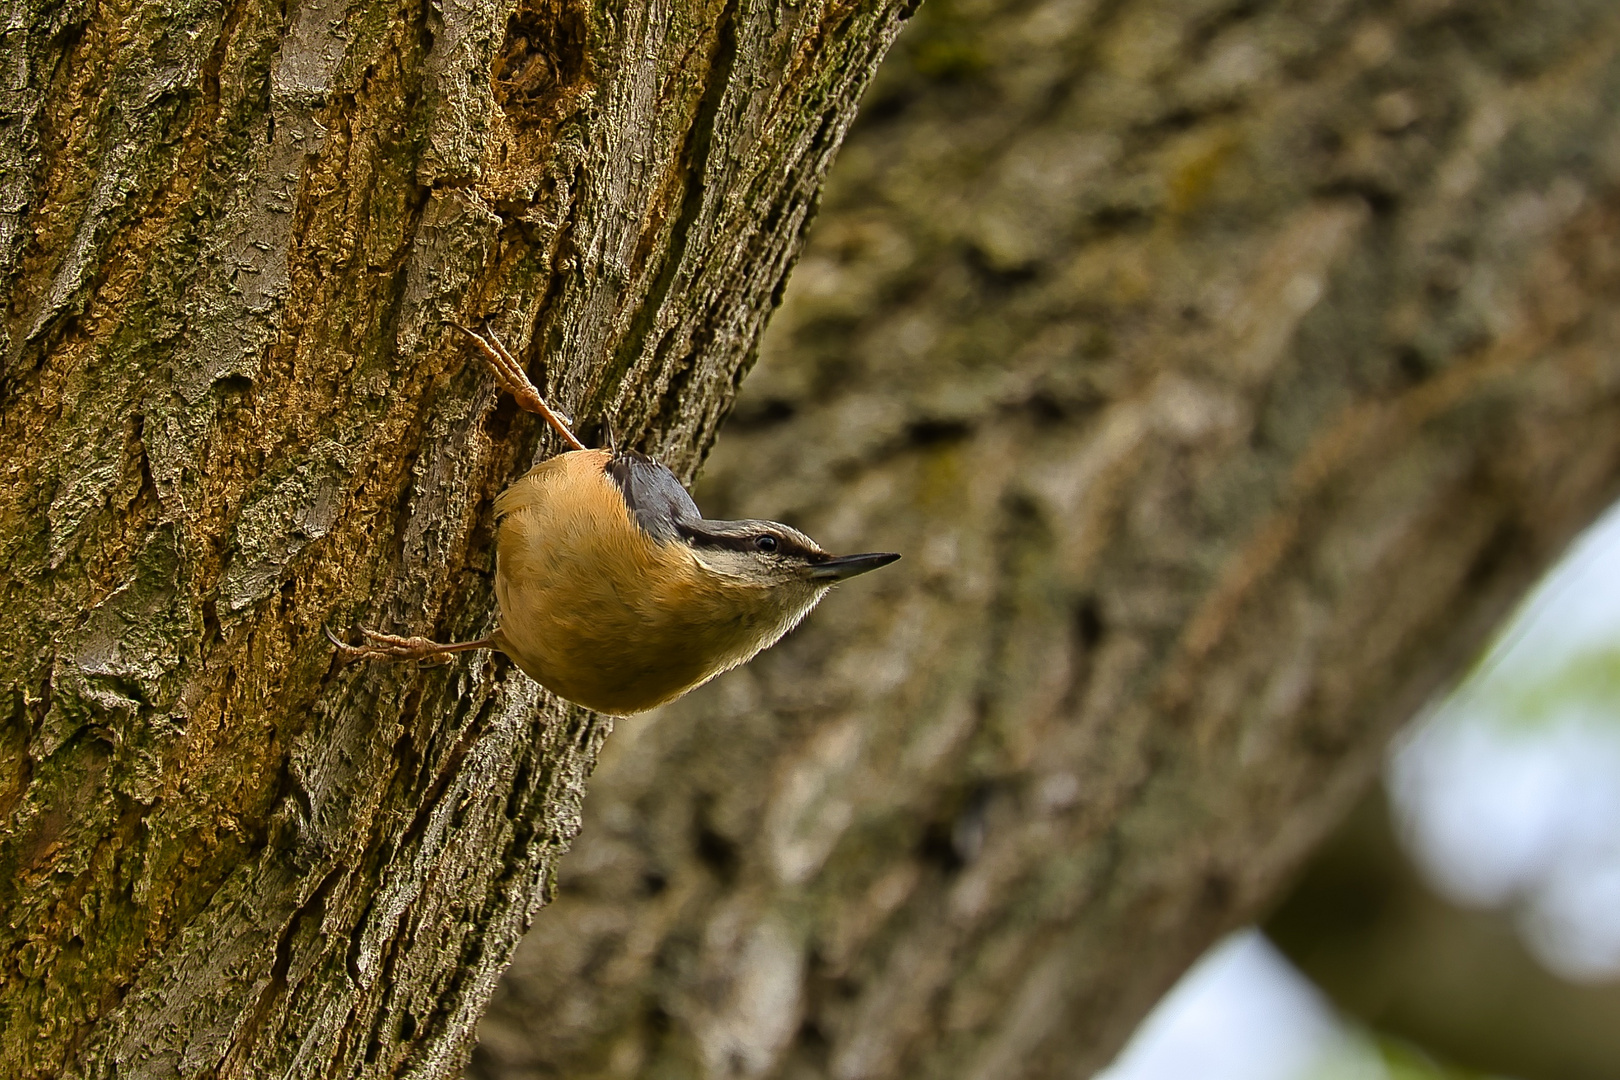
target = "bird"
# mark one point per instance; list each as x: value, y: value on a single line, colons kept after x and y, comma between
x: 615, y: 592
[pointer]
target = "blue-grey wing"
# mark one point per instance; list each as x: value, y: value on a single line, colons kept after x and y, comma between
x: 655, y: 497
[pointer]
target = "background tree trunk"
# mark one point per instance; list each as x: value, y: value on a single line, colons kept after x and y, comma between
x: 1225, y: 371
x: 230, y: 237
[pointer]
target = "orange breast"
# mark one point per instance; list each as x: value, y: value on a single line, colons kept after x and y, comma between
x: 592, y: 607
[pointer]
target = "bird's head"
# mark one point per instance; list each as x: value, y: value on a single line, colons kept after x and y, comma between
x: 764, y: 554
x: 768, y: 553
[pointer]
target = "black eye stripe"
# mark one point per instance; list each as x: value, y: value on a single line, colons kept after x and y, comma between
x: 752, y: 542
x: 727, y: 543
x: 741, y: 543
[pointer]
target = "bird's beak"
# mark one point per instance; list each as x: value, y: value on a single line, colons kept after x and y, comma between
x: 847, y: 566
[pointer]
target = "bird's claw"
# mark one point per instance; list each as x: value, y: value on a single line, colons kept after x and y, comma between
x: 514, y: 380
x: 381, y: 646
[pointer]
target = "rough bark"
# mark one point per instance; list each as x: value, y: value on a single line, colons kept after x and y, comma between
x: 1225, y: 371
x: 231, y: 234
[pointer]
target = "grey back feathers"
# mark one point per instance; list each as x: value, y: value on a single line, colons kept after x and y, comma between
x: 654, y: 496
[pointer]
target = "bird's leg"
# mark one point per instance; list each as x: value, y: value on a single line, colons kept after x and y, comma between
x: 510, y: 374
x: 393, y: 647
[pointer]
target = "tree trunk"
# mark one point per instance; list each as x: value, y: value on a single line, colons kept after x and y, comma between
x: 231, y: 236
x: 1225, y: 371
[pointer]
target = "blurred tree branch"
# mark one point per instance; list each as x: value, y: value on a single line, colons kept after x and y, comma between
x: 1391, y: 952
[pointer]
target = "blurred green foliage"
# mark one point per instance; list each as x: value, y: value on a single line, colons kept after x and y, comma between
x: 1367, y: 1055
x: 1586, y: 682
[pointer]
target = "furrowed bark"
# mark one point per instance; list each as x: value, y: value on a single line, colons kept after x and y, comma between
x: 1224, y: 371
x: 231, y: 237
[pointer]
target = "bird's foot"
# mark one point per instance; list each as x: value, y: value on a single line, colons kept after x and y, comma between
x: 515, y: 381
x: 379, y: 646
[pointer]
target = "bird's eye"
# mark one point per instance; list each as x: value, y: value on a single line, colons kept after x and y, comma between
x: 765, y: 543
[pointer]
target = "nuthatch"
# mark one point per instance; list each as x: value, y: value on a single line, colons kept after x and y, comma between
x: 615, y: 592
